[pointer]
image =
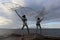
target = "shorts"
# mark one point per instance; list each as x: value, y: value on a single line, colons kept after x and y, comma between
x: 24, y: 24
x: 37, y: 24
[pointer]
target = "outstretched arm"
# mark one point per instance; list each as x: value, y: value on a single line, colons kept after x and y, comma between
x: 41, y: 19
x: 18, y: 14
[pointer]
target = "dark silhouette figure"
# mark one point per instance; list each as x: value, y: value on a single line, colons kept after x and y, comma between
x: 38, y: 24
x: 24, y: 19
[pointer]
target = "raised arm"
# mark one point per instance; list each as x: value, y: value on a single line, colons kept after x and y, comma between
x: 41, y: 19
x: 18, y: 14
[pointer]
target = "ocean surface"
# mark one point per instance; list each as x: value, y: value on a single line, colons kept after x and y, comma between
x: 46, y: 32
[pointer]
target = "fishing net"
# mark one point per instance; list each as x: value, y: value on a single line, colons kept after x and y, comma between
x: 31, y: 13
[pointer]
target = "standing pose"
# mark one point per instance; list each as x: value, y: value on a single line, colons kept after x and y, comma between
x: 24, y: 19
x: 38, y: 24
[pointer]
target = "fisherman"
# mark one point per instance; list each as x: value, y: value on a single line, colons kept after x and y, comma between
x: 24, y: 19
x: 38, y: 24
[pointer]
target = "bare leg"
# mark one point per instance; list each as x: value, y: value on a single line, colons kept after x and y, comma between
x: 27, y: 28
x: 23, y: 27
x: 40, y: 29
x: 36, y: 28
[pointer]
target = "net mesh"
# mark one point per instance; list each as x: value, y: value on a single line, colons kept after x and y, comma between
x: 29, y: 12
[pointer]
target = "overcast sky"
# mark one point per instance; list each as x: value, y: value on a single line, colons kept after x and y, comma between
x: 9, y: 19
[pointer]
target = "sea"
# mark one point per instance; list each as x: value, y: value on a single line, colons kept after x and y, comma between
x: 4, y: 33
x: 46, y: 32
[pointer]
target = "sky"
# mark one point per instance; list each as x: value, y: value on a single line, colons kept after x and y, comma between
x: 9, y: 19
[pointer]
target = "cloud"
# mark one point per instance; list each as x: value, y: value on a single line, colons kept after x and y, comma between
x: 4, y: 1
x: 4, y: 10
x: 6, y: 16
x: 5, y: 21
x: 52, y: 25
x: 19, y: 2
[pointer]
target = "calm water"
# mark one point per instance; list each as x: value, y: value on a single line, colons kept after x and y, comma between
x: 5, y: 32
x: 51, y: 32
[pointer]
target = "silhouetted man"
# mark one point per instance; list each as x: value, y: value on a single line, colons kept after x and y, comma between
x: 38, y: 24
x: 24, y: 19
